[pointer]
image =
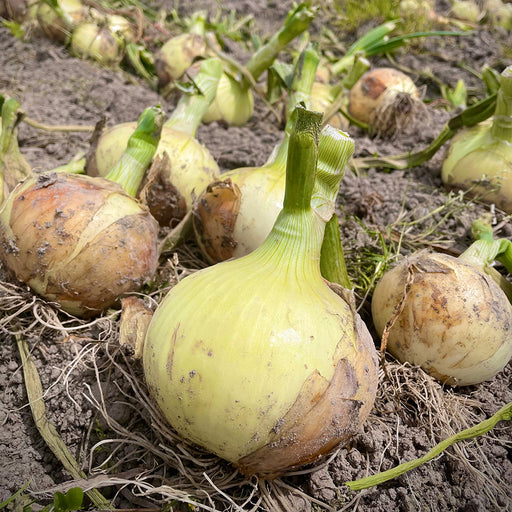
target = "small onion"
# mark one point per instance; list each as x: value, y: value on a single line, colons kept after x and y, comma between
x: 81, y: 241
x: 453, y: 320
x: 234, y: 103
x: 386, y: 99
x: 479, y: 158
x: 103, y: 38
x: 57, y: 24
x: 291, y: 371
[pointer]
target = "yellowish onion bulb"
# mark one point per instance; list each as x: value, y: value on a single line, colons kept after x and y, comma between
x: 256, y: 359
x: 102, y: 39
x: 186, y: 166
x: 467, y: 10
x: 454, y: 321
x: 57, y: 24
x: 80, y: 241
x: 479, y: 158
x: 234, y: 103
x: 500, y: 13
x: 177, y: 55
x: 386, y: 99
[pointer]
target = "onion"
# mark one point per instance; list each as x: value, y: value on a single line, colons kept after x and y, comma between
x: 99, y: 42
x: 234, y: 103
x: 228, y: 216
x: 446, y: 314
x: 386, y: 99
x: 59, y: 20
x: 16, y: 10
x: 499, y: 13
x: 81, y: 241
x: 479, y: 159
x: 189, y: 167
x: 292, y: 372
x: 179, y: 53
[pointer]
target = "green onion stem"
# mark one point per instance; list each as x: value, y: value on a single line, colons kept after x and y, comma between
x: 13, y: 166
x: 302, y: 161
x: 502, y: 121
x: 141, y: 147
x: 376, y: 41
x: 334, y: 150
x: 296, y: 23
x: 300, y: 92
x: 499, y: 249
x: 332, y: 257
x: 192, y: 106
x: 198, y: 24
x: 369, y: 39
x: 504, y: 414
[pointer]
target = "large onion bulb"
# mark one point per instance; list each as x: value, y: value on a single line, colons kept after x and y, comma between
x: 81, y: 241
x: 256, y: 359
x: 454, y: 321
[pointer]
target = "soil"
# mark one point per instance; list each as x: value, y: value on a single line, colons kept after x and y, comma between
x: 93, y: 389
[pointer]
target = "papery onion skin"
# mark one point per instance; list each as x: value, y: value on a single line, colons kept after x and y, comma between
x: 82, y: 242
x: 183, y: 150
x: 456, y: 321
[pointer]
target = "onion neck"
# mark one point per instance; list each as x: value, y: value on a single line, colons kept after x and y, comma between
x: 309, y: 202
x: 13, y: 166
x: 141, y: 147
x: 502, y: 121
x: 485, y: 249
x: 296, y: 23
x: 300, y: 93
x: 192, y: 106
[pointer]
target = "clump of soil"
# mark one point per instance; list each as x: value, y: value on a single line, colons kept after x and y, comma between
x: 93, y: 389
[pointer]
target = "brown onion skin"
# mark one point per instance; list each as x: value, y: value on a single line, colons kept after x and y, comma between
x: 39, y: 235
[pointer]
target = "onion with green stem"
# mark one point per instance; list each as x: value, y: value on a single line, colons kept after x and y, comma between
x: 102, y: 37
x: 228, y: 217
x: 79, y: 241
x: 179, y: 53
x: 479, y: 159
x: 185, y: 166
x: 57, y: 18
x: 234, y: 102
x: 291, y: 373
x: 448, y: 315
